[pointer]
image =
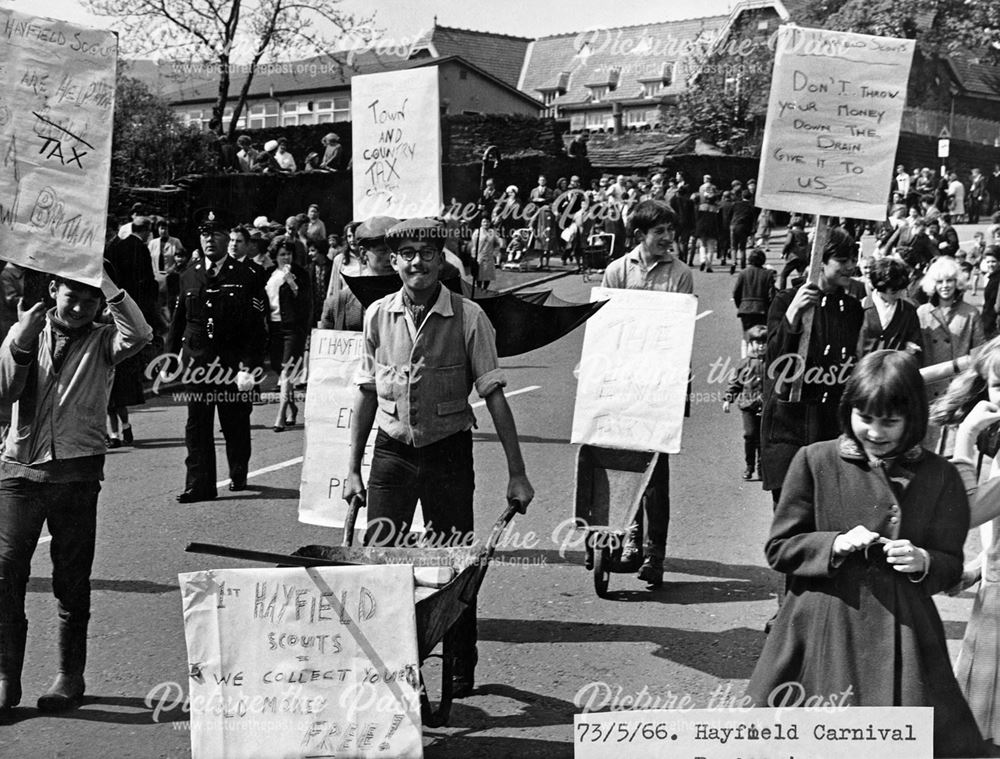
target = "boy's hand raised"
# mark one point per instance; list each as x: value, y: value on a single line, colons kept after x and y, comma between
x: 31, y: 323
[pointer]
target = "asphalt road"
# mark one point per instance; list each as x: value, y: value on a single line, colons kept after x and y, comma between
x: 547, y: 643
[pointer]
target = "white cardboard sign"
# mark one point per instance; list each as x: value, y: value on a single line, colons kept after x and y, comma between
x: 833, y: 122
x: 299, y: 662
x: 396, y: 132
x: 57, y: 101
x: 634, y: 371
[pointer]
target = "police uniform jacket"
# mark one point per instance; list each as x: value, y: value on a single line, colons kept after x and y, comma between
x: 222, y: 317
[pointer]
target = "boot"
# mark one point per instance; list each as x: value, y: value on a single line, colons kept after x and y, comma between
x: 67, y: 691
x: 12, y: 639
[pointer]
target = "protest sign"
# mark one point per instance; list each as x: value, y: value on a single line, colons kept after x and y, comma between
x: 334, y: 359
x: 302, y: 662
x: 56, y: 113
x: 634, y: 371
x: 833, y: 121
x: 396, y: 136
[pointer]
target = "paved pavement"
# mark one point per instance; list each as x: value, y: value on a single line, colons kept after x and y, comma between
x: 547, y: 641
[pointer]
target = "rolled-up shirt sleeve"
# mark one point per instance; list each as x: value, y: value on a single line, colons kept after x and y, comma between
x: 481, y: 347
x: 365, y: 376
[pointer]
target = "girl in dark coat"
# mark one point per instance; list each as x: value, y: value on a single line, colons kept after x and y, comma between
x: 869, y: 527
x: 753, y: 292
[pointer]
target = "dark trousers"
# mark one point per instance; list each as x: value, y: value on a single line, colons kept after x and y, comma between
x: 657, y: 510
x: 199, y: 434
x: 441, y: 476
x: 70, y: 509
x: 793, y: 265
x: 751, y: 437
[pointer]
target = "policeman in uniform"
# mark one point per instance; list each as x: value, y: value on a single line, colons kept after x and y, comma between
x: 218, y: 331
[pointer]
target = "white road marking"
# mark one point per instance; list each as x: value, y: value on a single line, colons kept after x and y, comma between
x: 44, y: 539
x: 703, y: 313
x: 528, y: 389
x: 298, y: 459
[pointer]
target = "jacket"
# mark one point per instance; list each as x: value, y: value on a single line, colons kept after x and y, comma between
x: 754, y: 290
x: 219, y: 319
x: 62, y: 415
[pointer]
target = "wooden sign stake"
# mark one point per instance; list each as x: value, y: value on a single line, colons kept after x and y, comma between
x: 815, y: 267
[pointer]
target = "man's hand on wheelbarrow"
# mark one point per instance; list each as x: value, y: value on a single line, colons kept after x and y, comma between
x: 354, y: 487
x: 520, y: 492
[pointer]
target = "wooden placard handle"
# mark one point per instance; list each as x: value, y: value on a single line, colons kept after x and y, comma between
x: 815, y: 267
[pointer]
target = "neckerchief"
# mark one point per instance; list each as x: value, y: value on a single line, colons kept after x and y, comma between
x: 419, y: 312
x: 62, y: 339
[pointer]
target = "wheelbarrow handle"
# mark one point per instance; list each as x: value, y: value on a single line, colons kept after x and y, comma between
x: 352, y: 517
x: 514, y: 507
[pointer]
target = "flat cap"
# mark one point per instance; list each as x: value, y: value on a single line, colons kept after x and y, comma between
x: 374, y: 229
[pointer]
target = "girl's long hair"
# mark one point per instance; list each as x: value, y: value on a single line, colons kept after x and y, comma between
x: 969, y: 387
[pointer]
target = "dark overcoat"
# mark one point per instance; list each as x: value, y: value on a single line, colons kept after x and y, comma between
x: 787, y: 426
x: 862, y: 625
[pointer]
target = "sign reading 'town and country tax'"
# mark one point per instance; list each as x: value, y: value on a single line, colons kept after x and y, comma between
x: 397, y: 143
x: 833, y: 121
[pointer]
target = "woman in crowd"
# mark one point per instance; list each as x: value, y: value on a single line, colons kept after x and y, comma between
x: 289, y: 295
x: 283, y: 157
x: 950, y: 328
x: 753, y: 293
x: 314, y: 229
x: 485, y: 249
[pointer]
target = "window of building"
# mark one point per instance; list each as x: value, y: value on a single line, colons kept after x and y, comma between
x: 597, y: 93
x: 762, y: 25
x: 463, y: 74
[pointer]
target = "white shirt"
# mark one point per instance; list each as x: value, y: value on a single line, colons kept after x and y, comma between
x: 885, y: 310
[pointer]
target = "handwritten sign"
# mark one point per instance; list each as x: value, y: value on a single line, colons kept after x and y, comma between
x: 334, y: 359
x: 302, y: 662
x: 833, y: 122
x: 56, y: 111
x: 634, y: 371
x: 838, y: 732
x: 397, y: 143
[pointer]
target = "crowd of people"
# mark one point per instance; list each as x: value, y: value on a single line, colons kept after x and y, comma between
x: 870, y: 465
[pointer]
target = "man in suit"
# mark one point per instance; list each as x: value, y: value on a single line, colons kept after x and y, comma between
x: 218, y: 332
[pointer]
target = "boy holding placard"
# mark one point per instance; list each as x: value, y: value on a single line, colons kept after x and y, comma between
x: 57, y: 368
x: 652, y: 265
x: 425, y: 348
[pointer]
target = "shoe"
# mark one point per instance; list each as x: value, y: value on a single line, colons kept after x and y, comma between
x: 651, y: 571
x: 732, y: 269
x: 114, y: 442
x: 127, y: 438
x: 631, y: 552
x: 708, y: 270
x: 278, y: 428
x: 748, y: 473
x: 194, y: 496
x: 702, y: 267
x: 295, y: 414
x: 462, y: 687
x: 237, y: 485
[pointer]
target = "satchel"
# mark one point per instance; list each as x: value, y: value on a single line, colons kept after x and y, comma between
x: 988, y: 441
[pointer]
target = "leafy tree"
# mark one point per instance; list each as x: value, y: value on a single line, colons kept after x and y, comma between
x: 940, y: 28
x: 221, y: 35
x: 149, y: 146
x: 727, y: 91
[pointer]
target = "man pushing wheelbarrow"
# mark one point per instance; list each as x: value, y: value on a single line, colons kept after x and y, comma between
x: 425, y: 348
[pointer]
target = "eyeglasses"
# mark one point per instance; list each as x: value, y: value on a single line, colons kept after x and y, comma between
x: 408, y: 254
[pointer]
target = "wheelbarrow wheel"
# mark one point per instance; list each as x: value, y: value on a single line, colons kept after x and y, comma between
x: 602, y: 570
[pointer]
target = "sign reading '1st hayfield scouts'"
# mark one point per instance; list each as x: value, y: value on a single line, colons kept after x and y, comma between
x: 57, y: 102
x: 396, y: 133
x: 833, y: 122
